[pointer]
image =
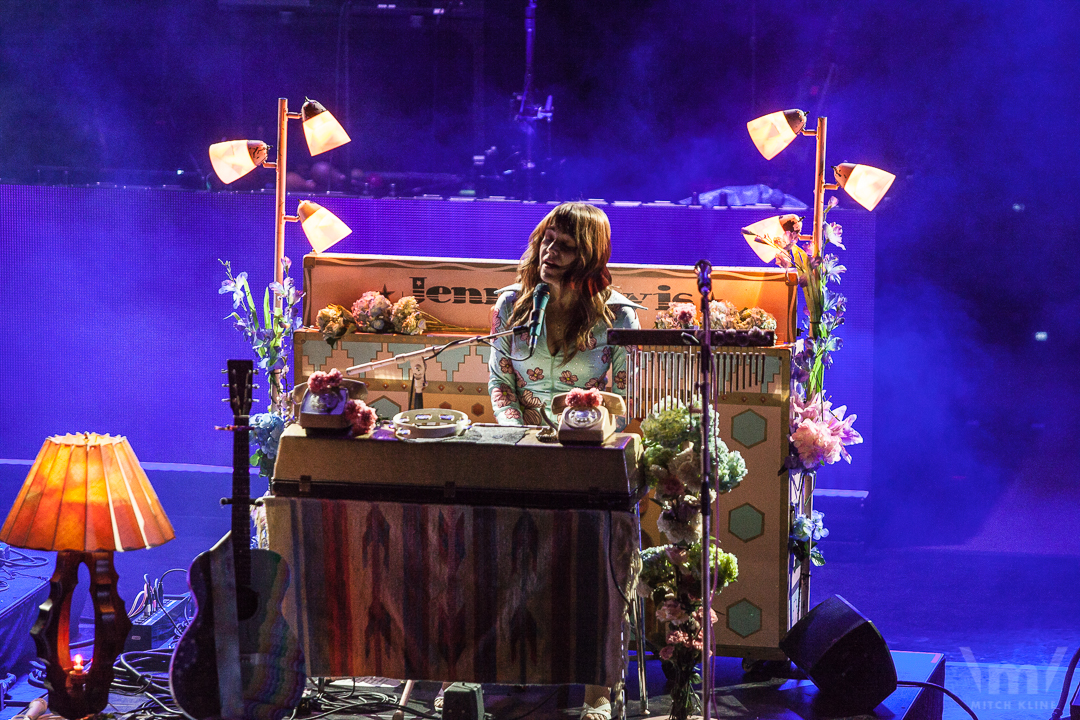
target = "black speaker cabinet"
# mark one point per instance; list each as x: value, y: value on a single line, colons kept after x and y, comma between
x: 844, y: 654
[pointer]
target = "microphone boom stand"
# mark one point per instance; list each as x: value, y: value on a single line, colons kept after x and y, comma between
x: 704, y: 273
x: 418, y: 372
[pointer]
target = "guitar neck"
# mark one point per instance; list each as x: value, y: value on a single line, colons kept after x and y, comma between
x: 241, y: 502
x: 240, y: 372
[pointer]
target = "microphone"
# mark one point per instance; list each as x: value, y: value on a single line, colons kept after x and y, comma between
x: 541, y: 295
x: 704, y: 276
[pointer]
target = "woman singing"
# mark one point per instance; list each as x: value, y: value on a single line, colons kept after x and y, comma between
x: 569, y: 250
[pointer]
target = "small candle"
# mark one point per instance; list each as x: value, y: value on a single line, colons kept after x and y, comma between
x: 77, y: 668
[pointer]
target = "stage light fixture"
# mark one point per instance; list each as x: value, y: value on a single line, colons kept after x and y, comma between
x: 322, y: 227
x: 86, y: 496
x: 772, y: 227
x: 233, y: 159
x: 867, y: 185
x: 236, y: 158
x: 864, y: 183
x: 773, y: 132
x: 322, y: 131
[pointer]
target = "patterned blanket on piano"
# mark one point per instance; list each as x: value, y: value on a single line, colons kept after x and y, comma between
x: 454, y: 592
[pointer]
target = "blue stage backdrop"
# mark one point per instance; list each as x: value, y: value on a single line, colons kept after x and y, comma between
x: 117, y: 326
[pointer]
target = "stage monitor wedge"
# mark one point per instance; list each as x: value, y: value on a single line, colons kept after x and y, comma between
x: 844, y: 655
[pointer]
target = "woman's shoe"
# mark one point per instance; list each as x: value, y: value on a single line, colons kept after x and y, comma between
x: 601, y: 711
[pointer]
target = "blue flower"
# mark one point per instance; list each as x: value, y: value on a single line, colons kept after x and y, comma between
x: 832, y: 269
x: 809, y: 528
x: 236, y: 287
x: 832, y: 301
x: 265, y: 433
x: 287, y: 291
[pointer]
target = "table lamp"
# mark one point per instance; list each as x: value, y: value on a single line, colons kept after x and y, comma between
x: 86, y: 496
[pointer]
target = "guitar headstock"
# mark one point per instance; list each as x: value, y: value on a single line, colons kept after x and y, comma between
x: 240, y: 374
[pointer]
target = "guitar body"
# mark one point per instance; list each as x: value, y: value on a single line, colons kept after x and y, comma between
x: 238, y: 659
x: 271, y: 664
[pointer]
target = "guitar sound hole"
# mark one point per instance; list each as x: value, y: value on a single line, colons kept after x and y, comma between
x: 247, y: 602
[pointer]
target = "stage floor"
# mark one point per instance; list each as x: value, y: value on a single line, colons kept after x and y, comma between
x: 736, y: 696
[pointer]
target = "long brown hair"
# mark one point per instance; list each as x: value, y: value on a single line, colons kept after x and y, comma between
x: 587, y: 278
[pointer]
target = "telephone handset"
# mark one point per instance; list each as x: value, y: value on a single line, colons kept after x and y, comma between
x: 588, y: 425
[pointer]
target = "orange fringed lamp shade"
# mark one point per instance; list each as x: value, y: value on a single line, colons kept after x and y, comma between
x: 88, y: 493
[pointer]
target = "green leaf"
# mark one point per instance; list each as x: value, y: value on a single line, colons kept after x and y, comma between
x: 267, y: 316
x: 817, y: 558
x: 250, y: 300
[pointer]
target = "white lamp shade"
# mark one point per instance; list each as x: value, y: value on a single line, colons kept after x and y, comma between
x: 773, y: 132
x: 771, y: 227
x: 322, y: 227
x: 234, y: 159
x: 324, y: 132
x: 866, y: 184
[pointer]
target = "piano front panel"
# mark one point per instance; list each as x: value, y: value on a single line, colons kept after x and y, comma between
x: 750, y: 394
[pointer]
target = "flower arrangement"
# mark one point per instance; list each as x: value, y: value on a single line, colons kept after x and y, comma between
x: 320, y: 382
x: 678, y: 316
x: 584, y: 399
x: 824, y: 307
x: 372, y: 313
x: 333, y: 322
x: 671, y: 573
x: 819, y: 433
x: 406, y: 316
x: 722, y: 316
x: 361, y: 416
x: 270, y: 337
x: 805, y: 533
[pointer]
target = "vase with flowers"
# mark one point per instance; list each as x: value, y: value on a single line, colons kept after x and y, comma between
x: 819, y: 433
x: 271, y: 337
x: 671, y: 573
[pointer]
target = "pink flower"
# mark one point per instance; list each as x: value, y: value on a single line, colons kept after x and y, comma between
x: 713, y: 617
x: 502, y: 396
x: 568, y: 377
x: 671, y: 611
x: 844, y: 432
x: 666, y: 652
x: 535, y: 374
x: 320, y: 382
x: 505, y: 365
x: 620, y: 379
x: 512, y: 414
x: 813, y: 409
x: 816, y: 444
x: 678, y: 637
x: 578, y: 398
x: 361, y: 417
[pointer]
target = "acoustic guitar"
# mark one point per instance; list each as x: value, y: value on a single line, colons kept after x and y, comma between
x: 238, y: 658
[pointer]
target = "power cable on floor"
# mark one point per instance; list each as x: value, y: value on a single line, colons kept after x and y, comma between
x: 942, y: 688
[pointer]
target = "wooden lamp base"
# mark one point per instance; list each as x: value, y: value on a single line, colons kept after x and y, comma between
x: 77, y: 692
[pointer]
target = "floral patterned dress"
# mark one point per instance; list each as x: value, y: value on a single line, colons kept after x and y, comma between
x: 519, y: 388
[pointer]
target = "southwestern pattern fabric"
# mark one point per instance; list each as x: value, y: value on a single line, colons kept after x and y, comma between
x: 449, y: 592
